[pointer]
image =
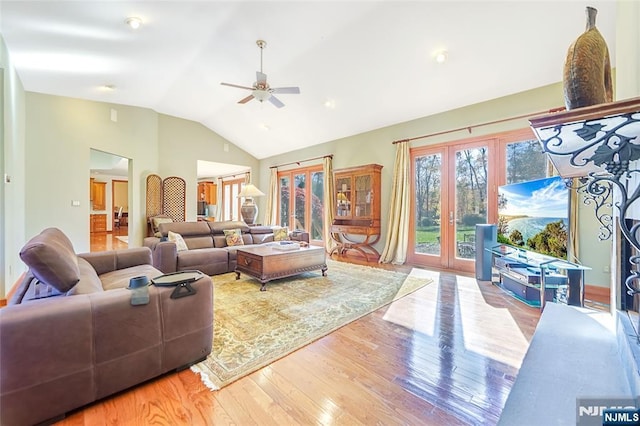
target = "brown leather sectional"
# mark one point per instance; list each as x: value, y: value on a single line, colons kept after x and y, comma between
x: 70, y: 335
x: 207, y: 246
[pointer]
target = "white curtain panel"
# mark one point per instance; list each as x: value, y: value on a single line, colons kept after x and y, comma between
x: 328, y: 203
x: 271, y: 210
x: 395, y: 250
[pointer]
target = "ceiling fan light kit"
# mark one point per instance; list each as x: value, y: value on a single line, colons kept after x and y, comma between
x: 261, y: 89
x: 134, y: 22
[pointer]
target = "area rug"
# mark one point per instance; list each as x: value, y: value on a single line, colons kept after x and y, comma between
x: 253, y: 328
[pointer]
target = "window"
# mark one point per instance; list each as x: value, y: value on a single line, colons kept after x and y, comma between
x: 525, y: 160
x: 230, y: 201
x: 304, y: 209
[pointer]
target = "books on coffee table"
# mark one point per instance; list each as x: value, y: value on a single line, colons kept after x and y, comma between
x: 285, y: 245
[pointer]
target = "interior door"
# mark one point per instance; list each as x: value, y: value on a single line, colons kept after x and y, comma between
x: 450, y: 196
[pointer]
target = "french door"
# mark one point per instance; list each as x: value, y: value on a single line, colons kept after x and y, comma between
x: 301, y: 199
x: 452, y: 193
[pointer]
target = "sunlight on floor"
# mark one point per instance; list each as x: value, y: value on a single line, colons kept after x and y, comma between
x: 418, y: 318
x: 484, y: 326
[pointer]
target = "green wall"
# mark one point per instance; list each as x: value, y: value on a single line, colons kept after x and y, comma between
x: 13, y: 193
x: 376, y: 147
x: 182, y: 143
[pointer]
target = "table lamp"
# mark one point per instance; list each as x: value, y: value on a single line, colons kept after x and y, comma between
x: 249, y: 210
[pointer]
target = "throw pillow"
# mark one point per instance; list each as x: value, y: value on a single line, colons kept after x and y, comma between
x: 177, y: 238
x: 281, y: 234
x: 233, y: 237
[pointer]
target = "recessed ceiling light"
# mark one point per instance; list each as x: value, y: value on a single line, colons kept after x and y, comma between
x: 441, y: 56
x: 134, y: 22
x: 330, y: 104
x: 265, y: 126
x: 107, y: 87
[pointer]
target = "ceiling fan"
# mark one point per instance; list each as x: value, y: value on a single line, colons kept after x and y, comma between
x: 260, y: 89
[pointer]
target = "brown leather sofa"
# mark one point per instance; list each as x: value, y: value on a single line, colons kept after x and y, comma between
x: 207, y: 245
x: 71, y: 335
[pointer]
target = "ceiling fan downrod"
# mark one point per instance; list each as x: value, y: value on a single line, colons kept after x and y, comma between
x: 261, y: 44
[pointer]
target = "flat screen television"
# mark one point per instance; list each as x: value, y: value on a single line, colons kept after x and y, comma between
x: 534, y: 215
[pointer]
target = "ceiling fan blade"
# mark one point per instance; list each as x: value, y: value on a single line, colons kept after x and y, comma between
x: 261, y: 77
x: 245, y: 100
x: 276, y: 101
x: 235, y: 85
x: 286, y: 90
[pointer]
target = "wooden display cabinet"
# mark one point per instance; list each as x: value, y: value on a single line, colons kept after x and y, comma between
x: 98, y: 223
x: 356, y: 225
x: 98, y: 192
x: 208, y: 192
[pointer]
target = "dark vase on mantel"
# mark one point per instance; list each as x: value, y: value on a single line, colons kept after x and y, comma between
x: 587, y: 70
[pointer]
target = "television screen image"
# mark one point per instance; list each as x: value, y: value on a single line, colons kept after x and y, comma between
x: 535, y: 215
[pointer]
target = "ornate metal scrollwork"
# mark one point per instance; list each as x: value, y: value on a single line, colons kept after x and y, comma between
x: 599, y: 196
x: 611, y: 144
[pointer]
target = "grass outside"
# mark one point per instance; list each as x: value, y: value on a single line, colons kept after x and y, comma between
x: 431, y: 234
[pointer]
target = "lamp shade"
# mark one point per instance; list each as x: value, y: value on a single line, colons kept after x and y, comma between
x: 250, y: 190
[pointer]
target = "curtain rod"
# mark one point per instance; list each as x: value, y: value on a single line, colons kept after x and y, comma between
x: 481, y: 124
x: 301, y: 161
x: 232, y: 175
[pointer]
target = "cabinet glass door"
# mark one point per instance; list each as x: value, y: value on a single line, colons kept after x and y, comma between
x: 343, y: 197
x: 363, y: 196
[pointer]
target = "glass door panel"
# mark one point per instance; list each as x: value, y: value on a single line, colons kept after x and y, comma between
x: 285, y: 189
x: 470, y: 205
x: 299, y: 212
x: 427, y: 184
x: 317, y: 209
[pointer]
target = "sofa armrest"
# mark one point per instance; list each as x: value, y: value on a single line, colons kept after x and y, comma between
x: 165, y: 257
x: 114, y: 346
x: 36, y: 357
x: 113, y: 260
x: 150, y: 242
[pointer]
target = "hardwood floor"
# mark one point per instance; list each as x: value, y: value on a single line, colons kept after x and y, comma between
x: 108, y: 240
x: 447, y: 354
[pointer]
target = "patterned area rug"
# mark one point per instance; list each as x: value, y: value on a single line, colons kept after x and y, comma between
x: 253, y: 328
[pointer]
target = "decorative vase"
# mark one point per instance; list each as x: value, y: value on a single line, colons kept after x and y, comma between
x: 249, y: 211
x: 587, y: 70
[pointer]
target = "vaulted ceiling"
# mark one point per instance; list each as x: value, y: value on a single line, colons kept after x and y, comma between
x: 360, y: 65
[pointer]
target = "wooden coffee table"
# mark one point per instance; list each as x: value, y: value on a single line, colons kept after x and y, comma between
x: 267, y: 263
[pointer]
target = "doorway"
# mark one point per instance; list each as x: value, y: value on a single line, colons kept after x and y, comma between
x: 120, y: 208
x: 109, y: 195
x: 218, y: 187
